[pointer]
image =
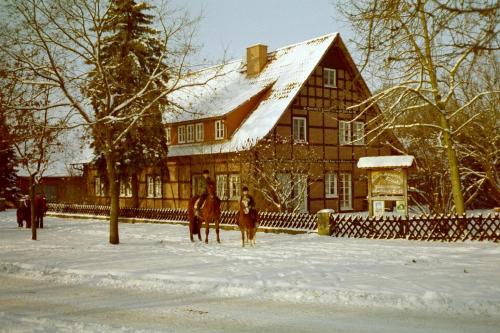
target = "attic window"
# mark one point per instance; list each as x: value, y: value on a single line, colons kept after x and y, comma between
x: 219, y: 129
x: 330, y: 77
x: 181, y: 134
x: 190, y: 133
x: 200, y: 131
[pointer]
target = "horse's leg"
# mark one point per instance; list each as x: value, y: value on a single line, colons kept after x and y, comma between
x: 242, y: 237
x: 217, y: 230
x: 207, y: 228
x: 191, y: 232
x: 198, y: 227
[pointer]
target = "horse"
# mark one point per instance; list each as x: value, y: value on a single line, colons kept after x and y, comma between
x: 210, y: 211
x: 247, y: 222
x: 40, y: 210
x: 194, y: 221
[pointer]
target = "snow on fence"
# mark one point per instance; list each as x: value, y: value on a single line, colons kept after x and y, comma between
x: 450, y: 228
x: 267, y: 220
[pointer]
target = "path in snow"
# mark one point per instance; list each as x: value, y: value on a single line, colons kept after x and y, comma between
x: 316, y: 275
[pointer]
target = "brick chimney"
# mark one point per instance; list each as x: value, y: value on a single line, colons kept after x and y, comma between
x: 256, y: 59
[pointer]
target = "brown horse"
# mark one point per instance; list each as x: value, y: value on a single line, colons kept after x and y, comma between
x: 194, y: 221
x: 211, y: 211
x: 247, y: 221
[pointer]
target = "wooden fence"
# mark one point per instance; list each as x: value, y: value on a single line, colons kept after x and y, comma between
x: 268, y: 220
x: 449, y: 228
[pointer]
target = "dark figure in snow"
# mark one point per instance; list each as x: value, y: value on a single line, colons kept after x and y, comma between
x: 40, y: 209
x: 204, y: 191
x: 195, y: 221
x: 247, y: 218
x: 21, y: 212
x: 24, y: 212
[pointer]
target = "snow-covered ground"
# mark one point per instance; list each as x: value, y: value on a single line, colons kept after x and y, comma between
x: 303, y: 271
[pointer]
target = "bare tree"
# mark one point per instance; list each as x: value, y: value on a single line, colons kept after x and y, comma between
x: 281, y: 176
x: 418, y: 48
x: 60, y: 42
x: 34, y: 132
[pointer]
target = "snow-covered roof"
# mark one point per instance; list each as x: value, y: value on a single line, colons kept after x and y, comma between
x: 375, y: 162
x: 285, y: 73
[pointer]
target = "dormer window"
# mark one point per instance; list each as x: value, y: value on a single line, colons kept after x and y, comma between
x: 219, y: 129
x: 168, y: 134
x: 200, y: 132
x: 190, y: 133
x: 181, y: 134
x: 330, y: 77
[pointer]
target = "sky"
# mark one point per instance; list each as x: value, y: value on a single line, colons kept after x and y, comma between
x: 233, y: 25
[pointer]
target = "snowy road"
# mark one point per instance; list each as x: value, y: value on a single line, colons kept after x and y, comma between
x: 72, y: 280
x: 25, y: 304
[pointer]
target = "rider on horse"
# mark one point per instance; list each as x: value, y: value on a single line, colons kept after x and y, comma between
x: 247, y: 204
x: 204, y: 191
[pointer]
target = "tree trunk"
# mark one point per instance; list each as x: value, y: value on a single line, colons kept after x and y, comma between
x: 32, y: 206
x: 114, y: 194
x: 456, y: 186
x: 135, y: 190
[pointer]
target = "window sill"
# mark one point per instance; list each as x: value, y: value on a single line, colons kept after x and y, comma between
x: 330, y: 86
x: 331, y: 196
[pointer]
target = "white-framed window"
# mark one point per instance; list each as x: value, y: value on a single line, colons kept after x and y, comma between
x: 190, y: 133
x: 168, y: 134
x: 126, y: 187
x: 331, y: 185
x: 222, y: 186
x: 330, y: 77
x: 299, y: 129
x: 285, y: 182
x: 181, y: 134
x: 219, y: 129
x: 234, y: 187
x: 351, y: 133
x: 99, y: 187
x: 154, y: 186
x: 358, y: 137
x: 344, y: 132
x: 345, y: 191
x: 200, y: 132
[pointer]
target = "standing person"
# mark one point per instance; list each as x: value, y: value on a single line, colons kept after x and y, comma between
x: 40, y: 209
x: 204, y: 191
x: 27, y: 211
x: 20, y: 212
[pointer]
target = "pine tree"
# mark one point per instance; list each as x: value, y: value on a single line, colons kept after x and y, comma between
x: 8, y: 178
x: 131, y: 53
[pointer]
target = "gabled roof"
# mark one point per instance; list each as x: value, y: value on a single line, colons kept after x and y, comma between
x: 286, y: 71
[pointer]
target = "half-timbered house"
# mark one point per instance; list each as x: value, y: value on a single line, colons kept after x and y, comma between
x: 288, y: 106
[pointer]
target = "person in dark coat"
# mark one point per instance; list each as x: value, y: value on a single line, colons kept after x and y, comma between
x: 40, y: 209
x: 26, y: 208
x: 203, y: 190
x: 20, y: 212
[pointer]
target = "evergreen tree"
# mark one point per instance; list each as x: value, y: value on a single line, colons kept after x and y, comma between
x: 131, y: 54
x: 8, y: 178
